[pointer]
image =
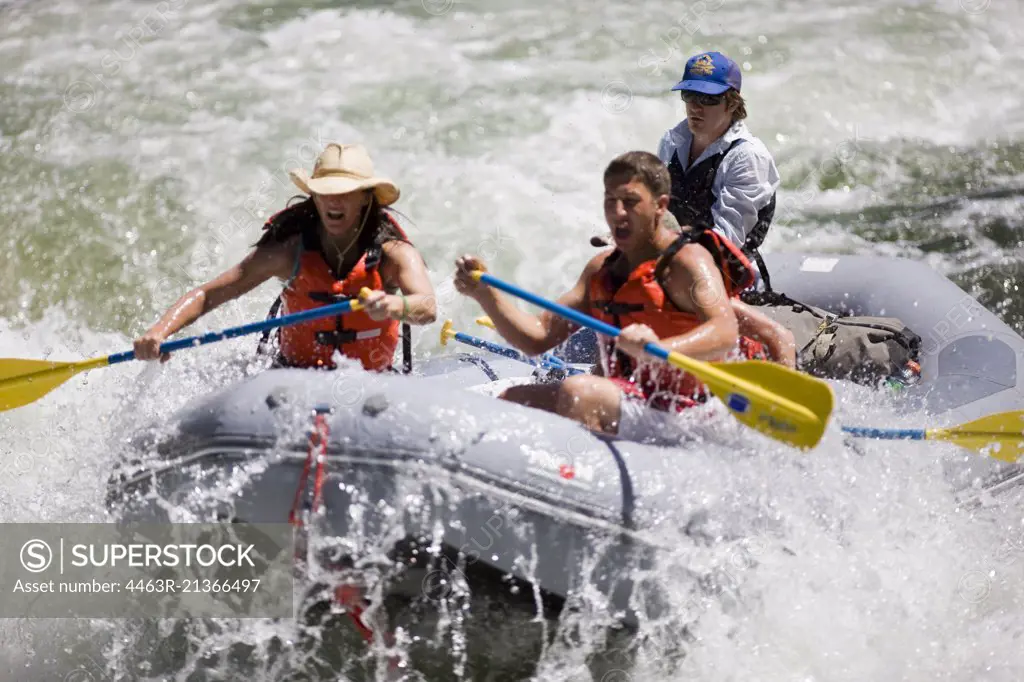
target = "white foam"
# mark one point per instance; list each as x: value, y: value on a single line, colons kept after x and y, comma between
x: 497, y: 120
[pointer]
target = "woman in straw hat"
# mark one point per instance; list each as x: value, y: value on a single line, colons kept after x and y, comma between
x: 326, y: 248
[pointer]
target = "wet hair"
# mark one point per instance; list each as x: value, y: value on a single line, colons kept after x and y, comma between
x: 642, y: 166
x: 732, y: 97
x: 296, y: 217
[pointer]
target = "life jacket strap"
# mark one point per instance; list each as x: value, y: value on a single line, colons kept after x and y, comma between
x: 762, y: 267
x: 340, y: 337
x: 328, y: 297
x: 617, y: 308
x: 406, y: 348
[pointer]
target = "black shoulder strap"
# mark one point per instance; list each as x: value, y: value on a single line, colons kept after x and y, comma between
x: 406, y: 348
x: 669, y: 253
x: 762, y: 267
x: 610, y: 269
x: 261, y: 347
x: 373, y: 256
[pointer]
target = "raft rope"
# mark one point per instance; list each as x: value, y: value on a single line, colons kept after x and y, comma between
x: 317, y: 453
x: 349, y: 596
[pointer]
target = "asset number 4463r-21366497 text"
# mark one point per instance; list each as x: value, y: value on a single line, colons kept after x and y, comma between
x: 194, y: 585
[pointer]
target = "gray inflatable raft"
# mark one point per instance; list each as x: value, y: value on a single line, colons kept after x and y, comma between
x: 524, y: 492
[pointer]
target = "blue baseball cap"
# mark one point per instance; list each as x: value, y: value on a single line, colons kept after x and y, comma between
x: 711, y: 73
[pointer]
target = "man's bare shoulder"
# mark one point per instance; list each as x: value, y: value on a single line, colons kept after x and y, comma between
x: 689, y: 261
x: 692, y: 279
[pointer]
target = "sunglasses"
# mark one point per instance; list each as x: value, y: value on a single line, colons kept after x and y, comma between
x: 702, y: 99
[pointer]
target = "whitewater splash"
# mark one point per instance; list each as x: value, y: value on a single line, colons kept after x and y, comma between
x: 140, y: 146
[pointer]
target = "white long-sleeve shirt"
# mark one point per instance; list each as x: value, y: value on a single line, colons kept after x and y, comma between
x: 744, y: 184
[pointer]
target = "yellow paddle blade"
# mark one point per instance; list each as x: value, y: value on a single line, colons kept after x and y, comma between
x: 446, y: 332
x: 998, y: 435
x: 24, y: 381
x: 14, y: 367
x: 780, y: 402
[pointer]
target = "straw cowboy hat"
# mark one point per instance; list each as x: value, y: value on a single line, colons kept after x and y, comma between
x: 344, y: 168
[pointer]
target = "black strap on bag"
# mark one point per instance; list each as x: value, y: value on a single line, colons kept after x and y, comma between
x: 862, y: 349
x: 753, y: 251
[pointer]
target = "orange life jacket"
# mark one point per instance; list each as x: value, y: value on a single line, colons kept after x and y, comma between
x: 355, y: 335
x: 642, y: 300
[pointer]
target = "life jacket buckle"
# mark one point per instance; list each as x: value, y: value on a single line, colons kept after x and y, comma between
x: 337, y: 337
x: 618, y: 307
x: 327, y: 297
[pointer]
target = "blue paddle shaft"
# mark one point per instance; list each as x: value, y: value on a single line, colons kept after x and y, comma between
x: 232, y: 332
x: 886, y: 434
x: 547, y: 361
x: 576, y: 316
x: 499, y: 349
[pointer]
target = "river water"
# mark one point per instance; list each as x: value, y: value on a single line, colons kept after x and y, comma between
x: 143, y: 144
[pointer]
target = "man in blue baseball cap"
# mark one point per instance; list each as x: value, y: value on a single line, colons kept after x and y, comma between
x: 723, y: 178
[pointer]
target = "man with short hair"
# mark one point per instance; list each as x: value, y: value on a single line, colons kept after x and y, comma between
x: 657, y: 285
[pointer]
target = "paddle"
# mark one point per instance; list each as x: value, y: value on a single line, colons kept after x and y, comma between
x: 546, y: 357
x: 997, y: 435
x: 24, y: 381
x: 1000, y: 436
x: 794, y: 411
x: 548, y: 362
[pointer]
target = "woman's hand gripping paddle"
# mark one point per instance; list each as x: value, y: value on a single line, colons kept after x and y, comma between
x: 25, y: 381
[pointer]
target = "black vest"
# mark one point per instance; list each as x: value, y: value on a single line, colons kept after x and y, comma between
x: 692, y: 199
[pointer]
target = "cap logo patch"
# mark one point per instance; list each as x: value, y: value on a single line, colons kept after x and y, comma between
x: 703, y: 66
